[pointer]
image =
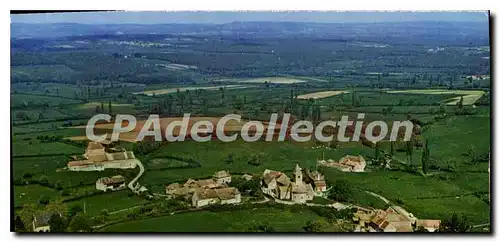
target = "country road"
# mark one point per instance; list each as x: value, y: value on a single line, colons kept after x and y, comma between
x: 141, y: 171
x: 379, y: 197
x: 398, y: 209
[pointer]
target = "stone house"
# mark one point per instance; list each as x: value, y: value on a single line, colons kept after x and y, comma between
x: 207, y: 183
x: 97, y: 159
x: 222, y: 177
x: 191, y: 186
x: 347, y: 163
x: 228, y: 195
x: 317, y: 180
x: 113, y: 183
x: 382, y: 221
x: 40, y: 221
x: 204, y: 197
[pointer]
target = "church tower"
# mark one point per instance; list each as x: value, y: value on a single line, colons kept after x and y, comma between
x: 298, y: 174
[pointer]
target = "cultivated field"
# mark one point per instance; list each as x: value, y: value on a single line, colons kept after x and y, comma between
x: 470, y: 96
x: 183, y: 89
x: 177, y: 67
x: 273, y: 80
x: 319, y: 95
x: 230, y: 126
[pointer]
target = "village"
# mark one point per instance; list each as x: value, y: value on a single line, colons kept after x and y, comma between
x: 301, y: 188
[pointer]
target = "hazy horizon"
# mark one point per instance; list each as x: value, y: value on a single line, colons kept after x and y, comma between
x: 220, y: 17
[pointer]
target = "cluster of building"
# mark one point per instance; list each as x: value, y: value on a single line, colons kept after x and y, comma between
x: 278, y: 185
x: 207, y: 191
x: 113, y: 183
x: 347, y: 163
x: 96, y: 158
x: 390, y: 220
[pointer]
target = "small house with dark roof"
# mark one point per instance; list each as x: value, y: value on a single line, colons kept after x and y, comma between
x: 40, y: 221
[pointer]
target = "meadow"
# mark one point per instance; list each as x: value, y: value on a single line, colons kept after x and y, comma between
x: 215, y: 155
x: 285, y: 220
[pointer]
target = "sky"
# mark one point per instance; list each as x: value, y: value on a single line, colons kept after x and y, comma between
x: 227, y: 17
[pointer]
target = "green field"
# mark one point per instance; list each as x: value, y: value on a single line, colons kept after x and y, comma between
x: 213, y: 155
x: 22, y: 99
x: 110, y: 201
x: 33, y: 148
x: 31, y: 194
x: 230, y: 221
x: 435, y: 196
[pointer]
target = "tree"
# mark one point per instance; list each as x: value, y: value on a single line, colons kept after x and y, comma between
x: 39, y: 117
x: 261, y: 227
x: 44, y: 200
x: 19, y: 224
x: 109, y: 108
x: 75, y: 209
x: 353, y: 96
x: 377, y: 151
x: 472, y: 154
x: 80, y: 223
x: 409, y: 152
x: 57, y: 223
x: 341, y: 191
x: 304, y: 112
x: 455, y: 224
x: 316, y: 114
x: 22, y: 115
x: 460, y: 103
x: 229, y: 159
x: 222, y: 95
x: 425, y: 157
x: 318, y: 226
x: 102, y: 107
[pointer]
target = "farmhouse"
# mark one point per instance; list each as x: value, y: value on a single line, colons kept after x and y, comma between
x: 204, y: 183
x: 347, y: 163
x: 222, y: 177
x: 278, y: 185
x: 113, y: 183
x: 40, y: 221
x: 382, y: 221
x: 318, y: 182
x: 204, y: 197
x: 206, y: 191
x: 97, y: 159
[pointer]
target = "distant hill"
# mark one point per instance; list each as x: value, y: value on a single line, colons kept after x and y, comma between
x: 428, y: 33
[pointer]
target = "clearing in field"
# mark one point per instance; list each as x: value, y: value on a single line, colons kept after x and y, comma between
x: 470, y: 96
x: 273, y: 80
x: 183, y: 89
x: 319, y: 95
